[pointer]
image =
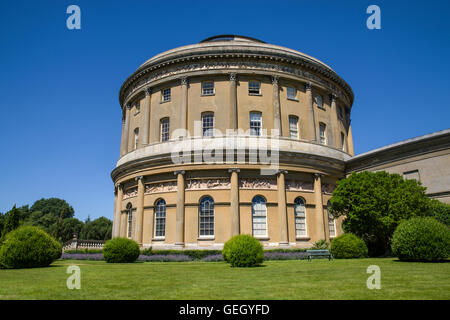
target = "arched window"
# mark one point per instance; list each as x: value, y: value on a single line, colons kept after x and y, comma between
x: 323, y: 133
x: 206, y: 217
x: 331, y: 224
x: 130, y: 219
x: 300, y: 217
x: 259, y: 216
x: 160, y: 218
x: 208, y: 124
x: 136, y: 138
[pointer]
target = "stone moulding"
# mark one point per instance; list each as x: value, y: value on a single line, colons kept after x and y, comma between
x: 206, y: 184
x: 258, y: 183
x: 160, y: 187
x: 166, y: 72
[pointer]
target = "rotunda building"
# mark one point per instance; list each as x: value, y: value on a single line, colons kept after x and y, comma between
x: 231, y: 136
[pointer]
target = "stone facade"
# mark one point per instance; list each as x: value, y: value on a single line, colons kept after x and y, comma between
x: 196, y: 204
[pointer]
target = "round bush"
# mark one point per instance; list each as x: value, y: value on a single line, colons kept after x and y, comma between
x: 421, y: 239
x: 243, y: 251
x: 119, y: 250
x: 347, y: 246
x: 28, y: 247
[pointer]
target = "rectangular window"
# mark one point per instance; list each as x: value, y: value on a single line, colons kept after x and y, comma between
x: 208, y: 124
x: 164, y: 129
x: 255, y: 123
x: 293, y: 127
x: 411, y: 175
x: 136, y: 138
x: 254, y: 87
x: 341, y: 114
x: 208, y: 88
x: 291, y: 93
x: 322, y: 133
x: 300, y: 221
x: 166, y: 95
x: 319, y: 101
x: 130, y: 223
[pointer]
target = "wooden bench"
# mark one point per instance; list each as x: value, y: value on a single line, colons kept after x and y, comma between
x: 319, y: 253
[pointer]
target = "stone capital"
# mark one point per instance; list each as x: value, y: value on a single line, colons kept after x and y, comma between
x: 232, y: 76
x: 184, y: 81
x: 231, y: 170
x: 128, y: 105
x: 333, y: 97
x: 317, y: 175
x: 282, y: 171
x: 139, y: 178
x: 148, y: 91
x: 179, y: 172
x: 275, y: 79
x: 308, y: 85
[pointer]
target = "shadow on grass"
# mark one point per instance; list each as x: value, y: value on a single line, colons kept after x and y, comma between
x: 421, y: 261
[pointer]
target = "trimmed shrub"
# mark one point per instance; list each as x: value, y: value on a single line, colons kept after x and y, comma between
x: 421, y: 239
x: 320, y: 245
x: 120, y: 250
x: 348, y: 246
x: 243, y: 251
x: 28, y: 247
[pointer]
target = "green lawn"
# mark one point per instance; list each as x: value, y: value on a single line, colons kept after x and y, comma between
x: 298, y: 280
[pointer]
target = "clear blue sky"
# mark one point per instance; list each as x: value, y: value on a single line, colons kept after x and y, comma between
x: 61, y: 122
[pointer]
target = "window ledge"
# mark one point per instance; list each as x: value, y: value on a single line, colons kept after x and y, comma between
x: 161, y: 102
x: 293, y: 99
x: 302, y: 238
x: 159, y: 239
x: 264, y: 238
x: 255, y: 94
x: 205, y: 238
x: 323, y: 108
x: 207, y: 95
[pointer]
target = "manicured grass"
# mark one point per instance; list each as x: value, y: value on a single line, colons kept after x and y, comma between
x: 297, y: 280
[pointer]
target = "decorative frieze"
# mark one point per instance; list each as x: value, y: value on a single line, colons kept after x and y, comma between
x: 296, y: 185
x: 258, y: 183
x: 327, y: 188
x: 204, y: 184
x: 130, y: 193
x: 237, y: 64
x: 169, y: 186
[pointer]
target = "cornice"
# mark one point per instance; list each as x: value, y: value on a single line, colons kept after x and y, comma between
x: 165, y: 66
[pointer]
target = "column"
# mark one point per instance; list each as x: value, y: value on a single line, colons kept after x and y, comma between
x: 334, y: 134
x: 282, y: 212
x: 276, y: 105
x: 123, y: 224
x: 233, y: 101
x: 145, y: 119
x: 118, y: 208
x: 184, y: 104
x: 179, y: 238
x: 234, y: 202
x: 126, y: 130
x: 350, y: 141
x: 139, y: 210
x: 310, y: 112
x: 321, y: 215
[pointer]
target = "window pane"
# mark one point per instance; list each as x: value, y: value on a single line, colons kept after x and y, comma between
x: 255, y: 124
x: 207, y: 87
x: 206, y: 217
x: 319, y: 101
x: 208, y: 124
x: 259, y: 215
x: 291, y: 92
x: 254, y: 87
x: 164, y: 129
x: 293, y: 127
x: 166, y: 94
x: 160, y: 218
x: 323, y: 138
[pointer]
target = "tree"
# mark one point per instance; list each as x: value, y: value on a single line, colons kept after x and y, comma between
x: 374, y: 203
x: 440, y: 211
x: 70, y: 226
x: 12, y: 220
x: 98, y: 229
